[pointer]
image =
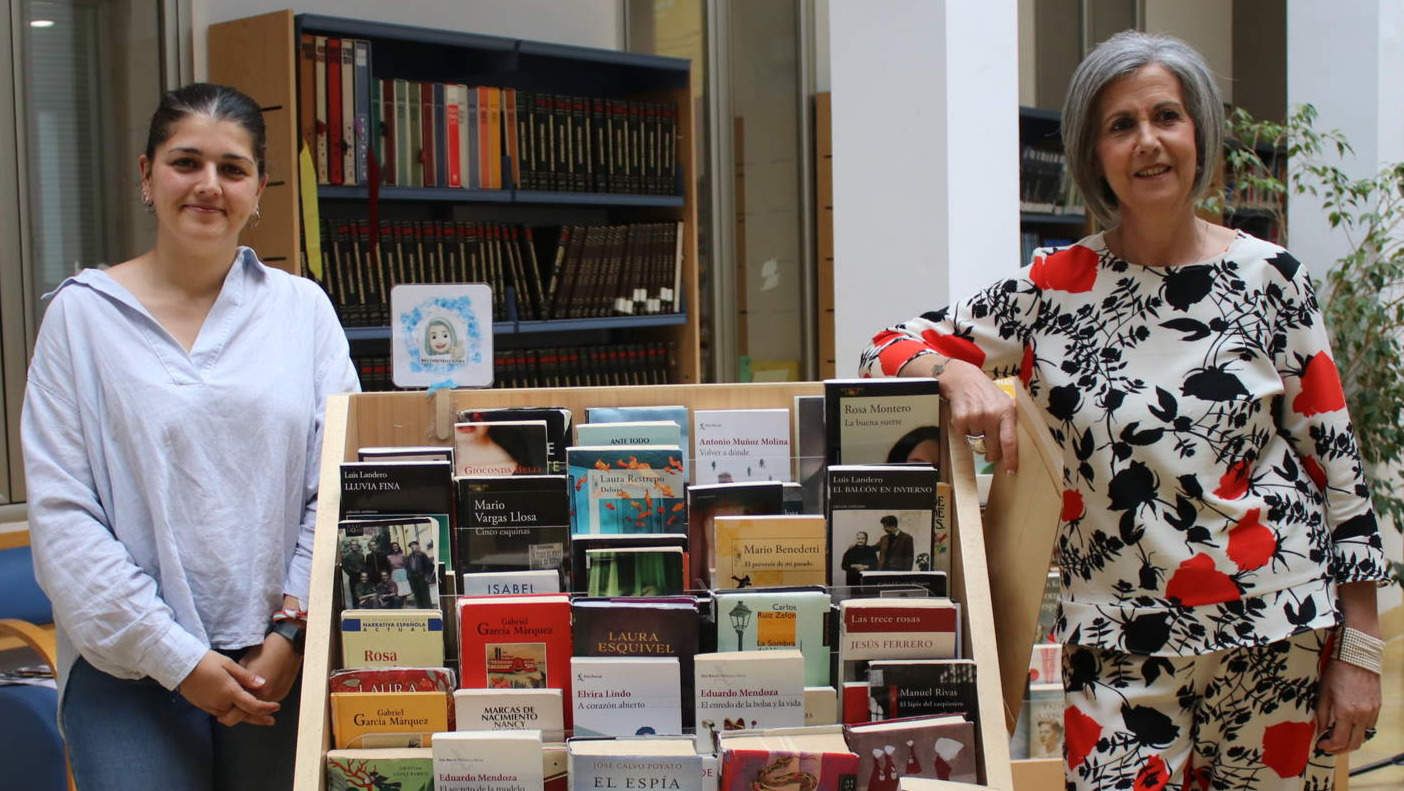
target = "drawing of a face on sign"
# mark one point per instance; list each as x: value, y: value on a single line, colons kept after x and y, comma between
x: 441, y: 340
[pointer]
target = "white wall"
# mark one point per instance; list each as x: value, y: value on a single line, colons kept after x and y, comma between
x: 1206, y: 24
x: 589, y: 23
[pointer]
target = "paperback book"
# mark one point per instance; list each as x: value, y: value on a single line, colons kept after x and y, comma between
x: 1046, y: 705
x: 882, y: 421
x: 812, y: 758
x: 580, y: 544
x: 809, y: 451
x: 632, y: 433
x: 558, y: 428
x: 661, y: 763
x: 639, y: 628
x: 510, y: 710
x: 626, y: 696
x: 488, y: 761
x: 940, y: 748
x: 634, y: 571
x: 379, y: 489
x: 676, y: 414
x: 929, y: 583
x: 881, y: 518
x: 772, y: 619
x: 406, y: 453
x: 761, y: 551
x: 392, y: 638
x: 510, y: 583
x: 507, y: 447
x: 515, y: 642
x: 513, y: 523
x: 898, y: 629
x: 393, y: 679
x: 746, y: 690
x: 923, y: 687
x: 742, y: 445
x: 620, y: 489
x: 387, y: 719
x: 706, y: 502
x: 405, y: 769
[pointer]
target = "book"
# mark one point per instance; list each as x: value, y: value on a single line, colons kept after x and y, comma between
x: 882, y: 421
x: 705, y: 502
x: 377, y: 489
x: 898, y: 629
x: 634, y: 571
x: 389, y: 563
x: 760, y: 551
x: 510, y: 709
x: 1046, y: 704
x: 558, y: 428
x: 580, y: 544
x: 515, y: 642
x: 387, y: 719
x: 348, y: 111
x: 319, y: 96
x: 511, y: 583
x: 747, y: 689
x: 880, y: 518
x: 622, y: 489
x: 406, y: 453
x: 809, y: 452
x: 362, y: 82
x: 643, y: 628
x: 934, y: 583
x: 392, y: 679
x: 812, y: 758
x: 488, y: 761
x: 657, y: 762
x: 940, y: 748
x: 766, y: 619
x: 626, y: 696
x: 392, y: 638
x: 922, y: 687
x: 1046, y: 664
x: 677, y: 414
x: 742, y: 445
x: 634, y: 432
x: 507, y: 447
x: 821, y: 706
x: 1048, y: 606
x: 513, y: 523
x: 405, y: 769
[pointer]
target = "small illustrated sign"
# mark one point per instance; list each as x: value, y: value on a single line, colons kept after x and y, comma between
x: 441, y: 335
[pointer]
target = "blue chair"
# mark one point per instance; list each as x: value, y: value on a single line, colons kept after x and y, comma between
x: 30, y: 745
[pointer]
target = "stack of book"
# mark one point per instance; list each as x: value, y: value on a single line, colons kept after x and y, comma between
x: 1044, y: 183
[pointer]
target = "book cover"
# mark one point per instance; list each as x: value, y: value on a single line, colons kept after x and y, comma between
x: 760, y: 551
x: 392, y: 638
x: 1046, y: 664
x: 558, y: 428
x: 882, y: 421
x: 389, y: 563
x: 940, y: 748
x: 898, y: 629
x: 319, y: 97
x: 634, y: 571
x: 811, y: 758
x: 393, y: 679
x: 742, y: 445
x: 1048, y: 606
x: 403, y: 769
x: 880, y: 518
x: 515, y: 642
x: 634, y: 432
x: 745, y: 690
x: 634, y: 627
x: 792, y: 496
x: 406, y: 453
x: 1046, y: 704
x: 855, y: 705
x: 932, y: 583
x: 511, y: 583
x: 705, y: 502
x: 362, y: 81
x: 428, y: 135
x: 659, y: 762
x: 488, y: 761
x: 335, y: 157
x: 348, y: 111
x: 677, y: 414
x: 626, y: 696
x: 923, y: 687
x: 624, y: 489
x: 374, y: 489
x: 809, y: 450
x: 513, y: 523
x: 821, y: 706
x: 510, y: 709
x: 582, y: 543
x: 508, y: 447
x: 387, y: 719
x: 767, y: 620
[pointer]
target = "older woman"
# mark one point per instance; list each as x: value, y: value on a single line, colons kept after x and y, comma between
x: 1218, y: 549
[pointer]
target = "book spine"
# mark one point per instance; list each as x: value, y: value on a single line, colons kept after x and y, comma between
x: 427, y: 151
x: 440, y: 137
x: 320, y: 97
x: 348, y: 112
x: 362, y: 81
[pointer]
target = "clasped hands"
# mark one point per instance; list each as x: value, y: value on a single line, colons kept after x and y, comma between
x: 249, y: 690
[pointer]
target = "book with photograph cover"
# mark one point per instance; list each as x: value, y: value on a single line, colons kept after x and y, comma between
x: 513, y: 523
x: 389, y: 563
x: 814, y: 758
x: 558, y: 428
x: 626, y: 696
x: 621, y: 489
x: 392, y: 638
x: 406, y: 453
x: 742, y: 690
x: 741, y: 445
x: 922, y: 688
x: 761, y: 551
x: 881, y: 518
x: 705, y: 502
x: 882, y: 421
x: 375, y: 489
x: 677, y: 414
x: 767, y: 619
x: 1046, y: 705
x: 515, y: 642
x: 940, y: 748
x: 507, y: 447
x: 580, y: 544
x: 634, y: 571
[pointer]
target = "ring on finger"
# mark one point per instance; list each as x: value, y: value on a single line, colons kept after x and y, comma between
x: 976, y: 442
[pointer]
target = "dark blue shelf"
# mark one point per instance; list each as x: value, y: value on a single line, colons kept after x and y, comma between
x: 451, y: 195
x: 359, y: 28
x: 1043, y: 218
x: 551, y: 325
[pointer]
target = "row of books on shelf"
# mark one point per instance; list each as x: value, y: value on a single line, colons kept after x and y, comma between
x: 572, y: 271
x: 608, y: 365
x: 1044, y: 182
x: 480, y: 137
x: 1029, y: 241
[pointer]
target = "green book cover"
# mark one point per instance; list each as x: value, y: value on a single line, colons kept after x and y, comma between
x: 777, y: 619
x: 405, y: 769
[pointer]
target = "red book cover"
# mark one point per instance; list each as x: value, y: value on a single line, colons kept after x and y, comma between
x: 335, y: 160
x: 745, y: 770
x: 451, y: 144
x: 515, y: 642
x: 426, y: 127
x: 484, y: 141
x: 392, y: 679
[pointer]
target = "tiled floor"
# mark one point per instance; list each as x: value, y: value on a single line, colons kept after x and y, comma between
x: 1389, y: 741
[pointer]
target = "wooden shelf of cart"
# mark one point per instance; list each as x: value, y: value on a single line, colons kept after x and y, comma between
x: 408, y: 418
x: 259, y: 55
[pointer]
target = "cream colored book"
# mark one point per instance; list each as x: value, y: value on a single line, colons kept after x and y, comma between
x: 761, y: 551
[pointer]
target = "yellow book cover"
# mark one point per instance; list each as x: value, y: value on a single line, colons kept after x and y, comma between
x: 392, y: 638
x: 759, y: 551
x: 387, y: 719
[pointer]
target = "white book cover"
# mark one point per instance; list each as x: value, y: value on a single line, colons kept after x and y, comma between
x: 657, y: 762
x: 488, y: 761
x: 626, y: 696
x: 633, y: 432
x: 510, y: 583
x: 747, y: 689
x: 894, y: 628
x: 820, y: 706
x: 742, y: 445
x: 510, y: 710
x: 441, y: 335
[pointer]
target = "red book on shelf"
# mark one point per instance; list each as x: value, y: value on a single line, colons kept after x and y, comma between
x: 515, y: 642
x: 335, y: 160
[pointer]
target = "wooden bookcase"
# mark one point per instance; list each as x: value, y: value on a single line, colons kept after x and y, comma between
x: 259, y: 55
x: 412, y: 418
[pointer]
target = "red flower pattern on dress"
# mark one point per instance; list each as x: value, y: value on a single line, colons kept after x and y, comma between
x: 1234, y: 483
x: 1080, y: 735
x: 1286, y: 747
x: 1026, y: 366
x: 955, y: 347
x: 1321, y: 387
x: 1198, y: 582
x: 1073, y: 269
x: 1153, y: 775
x: 1072, y: 505
x: 1250, y: 542
x: 898, y: 354
x: 1314, y: 471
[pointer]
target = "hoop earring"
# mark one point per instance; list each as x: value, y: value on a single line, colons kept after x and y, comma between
x: 147, y: 202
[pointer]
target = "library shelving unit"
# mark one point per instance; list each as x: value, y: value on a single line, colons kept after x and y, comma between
x: 353, y: 421
x: 1050, y: 220
x: 259, y: 55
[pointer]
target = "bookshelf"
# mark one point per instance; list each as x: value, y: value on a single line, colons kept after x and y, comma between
x: 260, y: 56
x: 1049, y: 212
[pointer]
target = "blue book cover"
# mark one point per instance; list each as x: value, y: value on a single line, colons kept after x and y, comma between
x: 624, y: 414
x: 622, y: 489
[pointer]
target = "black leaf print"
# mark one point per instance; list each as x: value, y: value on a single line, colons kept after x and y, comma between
x: 1214, y: 384
x: 1085, y: 445
x: 1121, y: 450
x: 1183, y: 517
x: 1194, y: 330
x: 1303, y: 615
x: 935, y: 316
x: 1146, y: 634
x: 1285, y: 263
x: 1147, y: 437
x: 1187, y: 286
x: 1064, y: 401
x: 1112, y: 401
x: 1151, y: 728
x: 1168, y: 405
x: 1198, y: 534
x: 1190, y: 484
x: 1132, y: 487
x: 1127, y: 528
x: 1355, y: 527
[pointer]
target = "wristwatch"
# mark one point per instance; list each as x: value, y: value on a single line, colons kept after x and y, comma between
x: 291, y: 631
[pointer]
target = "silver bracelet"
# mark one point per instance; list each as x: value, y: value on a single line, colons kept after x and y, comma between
x: 1355, y: 647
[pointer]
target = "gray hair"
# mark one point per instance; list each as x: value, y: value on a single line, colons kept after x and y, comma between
x: 1117, y: 57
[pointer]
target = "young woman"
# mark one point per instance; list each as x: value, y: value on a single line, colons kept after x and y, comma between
x: 1218, y: 548
x: 171, y: 433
